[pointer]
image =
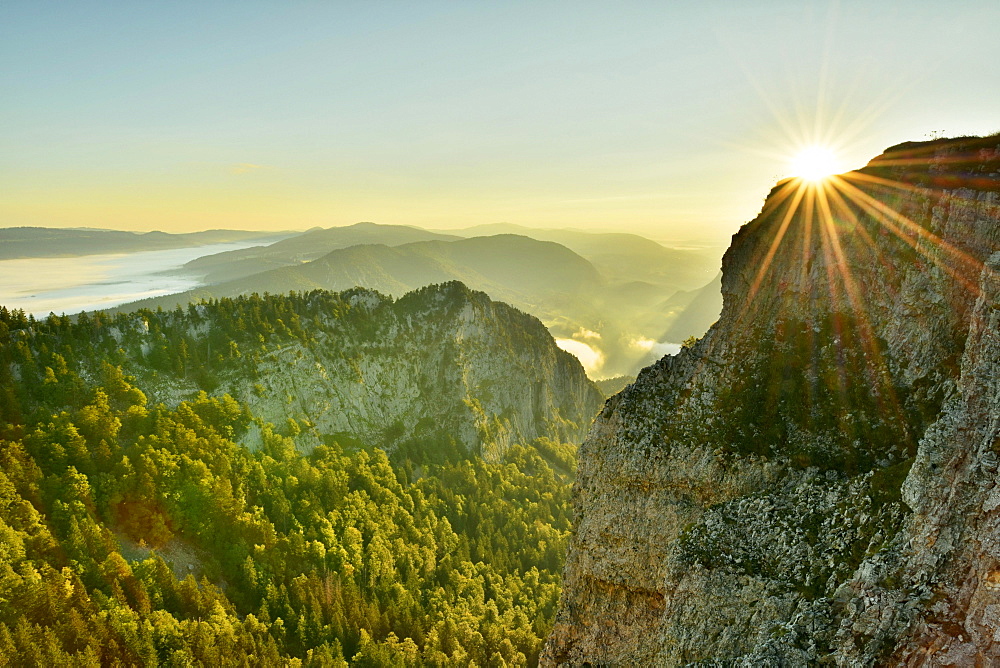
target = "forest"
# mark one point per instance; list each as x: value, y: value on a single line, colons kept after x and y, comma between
x: 136, y: 533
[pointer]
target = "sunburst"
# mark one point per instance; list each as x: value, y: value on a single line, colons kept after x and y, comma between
x: 837, y: 229
x: 825, y: 198
x: 815, y: 163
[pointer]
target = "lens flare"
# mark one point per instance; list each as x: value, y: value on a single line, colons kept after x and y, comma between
x: 815, y: 163
x: 837, y: 239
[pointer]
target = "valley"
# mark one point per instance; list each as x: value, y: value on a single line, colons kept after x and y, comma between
x: 499, y: 334
x: 288, y: 466
x: 42, y: 283
x: 619, y: 301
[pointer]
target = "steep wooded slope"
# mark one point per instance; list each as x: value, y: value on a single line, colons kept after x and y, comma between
x: 443, y: 367
x: 137, y: 528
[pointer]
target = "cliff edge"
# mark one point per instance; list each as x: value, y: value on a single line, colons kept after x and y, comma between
x: 814, y: 481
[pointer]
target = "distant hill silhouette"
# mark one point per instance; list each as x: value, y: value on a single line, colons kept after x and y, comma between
x: 619, y: 256
x: 28, y: 242
x: 616, y: 292
x: 510, y: 267
x: 698, y: 314
x: 310, y: 245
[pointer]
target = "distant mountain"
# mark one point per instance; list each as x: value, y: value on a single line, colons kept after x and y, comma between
x: 28, y: 242
x: 617, y: 293
x: 510, y: 267
x: 698, y: 310
x: 572, y: 296
x: 539, y: 276
x: 621, y: 256
x: 310, y: 245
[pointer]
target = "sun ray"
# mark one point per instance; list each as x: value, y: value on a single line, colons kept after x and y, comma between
x: 834, y: 260
x: 843, y: 289
x: 899, y: 224
x: 806, y: 262
x: 841, y: 264
x: 799, y: 191
x: 887, y: 397
x: 824, y: 78
x: 841, y: 203
x: 836, y: 268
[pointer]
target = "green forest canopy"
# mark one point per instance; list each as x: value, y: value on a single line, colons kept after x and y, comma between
x: 341, y: 554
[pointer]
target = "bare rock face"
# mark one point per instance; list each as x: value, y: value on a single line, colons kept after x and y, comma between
x: 441, y: 363
x: 813, y: 481
x: 441, y: 369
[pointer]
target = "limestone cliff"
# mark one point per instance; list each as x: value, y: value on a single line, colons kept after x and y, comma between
x: 813, y: 481
x: 441, y: 363
x: 441, y: 369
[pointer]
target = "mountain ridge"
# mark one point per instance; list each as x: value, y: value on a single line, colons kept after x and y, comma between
x: 310, y: 245
x: 430, y: 369
x: 386, y: 466
x: 551, y: 281
x: 32, y: 242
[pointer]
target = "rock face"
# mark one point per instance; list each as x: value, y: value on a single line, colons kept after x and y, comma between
x: 441, y: 363
x: 443, y: 367
x: 814, y: 480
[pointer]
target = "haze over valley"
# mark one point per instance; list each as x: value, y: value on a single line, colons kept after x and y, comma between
x: 404, y: 334
x: 617, y: 301
x: 69, y: 277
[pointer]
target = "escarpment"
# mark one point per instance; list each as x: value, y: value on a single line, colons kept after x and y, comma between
x: 814, y: 480
x: 441, y: 371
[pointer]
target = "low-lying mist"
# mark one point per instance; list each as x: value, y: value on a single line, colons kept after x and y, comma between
x: 44, y: 285
x: 618, y: 354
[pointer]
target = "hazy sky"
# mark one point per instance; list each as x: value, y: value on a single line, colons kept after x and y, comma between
x: 672, y: 119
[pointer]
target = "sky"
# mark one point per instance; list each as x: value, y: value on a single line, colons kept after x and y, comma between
x: 668, y: 119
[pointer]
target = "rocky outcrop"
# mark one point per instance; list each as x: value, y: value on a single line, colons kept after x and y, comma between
x: 443, y: 363
x: 443, y: 368
x: 813, y: 481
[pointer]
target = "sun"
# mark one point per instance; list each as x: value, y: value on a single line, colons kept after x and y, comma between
x: 815, y: 163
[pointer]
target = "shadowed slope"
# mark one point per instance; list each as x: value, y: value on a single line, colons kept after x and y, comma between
x: 311, y: 245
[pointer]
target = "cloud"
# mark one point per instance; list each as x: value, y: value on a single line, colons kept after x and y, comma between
x: 650, y: 346
x: 588, y: 334
x: 591, y: 358
x: 245, y: 167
